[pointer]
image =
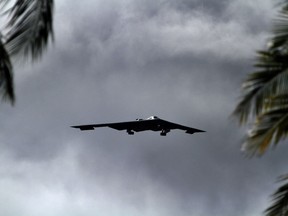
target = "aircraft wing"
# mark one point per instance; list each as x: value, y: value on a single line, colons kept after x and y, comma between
x: 131, y: 125
x: 142, y: 125
x: 171, y: 126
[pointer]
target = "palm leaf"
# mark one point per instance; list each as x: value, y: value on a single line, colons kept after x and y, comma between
x: 6, y: 75
x: 4, y: 3
x: 280, y: 39
x: 270, y: 126
x: 263, y: 84
x: 279, y: 206
x: 278, y: 101
x: 30, y: 27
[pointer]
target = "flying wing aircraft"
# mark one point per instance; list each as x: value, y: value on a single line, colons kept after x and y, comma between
x: 152, y: 123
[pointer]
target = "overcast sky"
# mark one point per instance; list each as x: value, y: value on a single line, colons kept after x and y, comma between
x: 181, y: 60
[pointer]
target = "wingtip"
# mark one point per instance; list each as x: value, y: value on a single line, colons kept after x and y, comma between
x: 194, y: 131
x: 83, y: 127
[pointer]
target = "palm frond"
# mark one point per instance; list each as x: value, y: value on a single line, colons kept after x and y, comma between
x: 279, y: 206
x: 3, y: 3
x: 6, y: 75
x: 270, y: 126
x: 278, y: 101
x: 263, y: 84
x: 280, y: 39
x: 30, y: 27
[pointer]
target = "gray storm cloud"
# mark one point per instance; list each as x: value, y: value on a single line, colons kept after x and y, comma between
x: 120, y: 60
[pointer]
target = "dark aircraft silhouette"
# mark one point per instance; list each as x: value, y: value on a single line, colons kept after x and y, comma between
x: 152, y: 123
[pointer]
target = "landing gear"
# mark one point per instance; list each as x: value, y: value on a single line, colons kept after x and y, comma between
x: 164, y: 132
x: 130, y: 132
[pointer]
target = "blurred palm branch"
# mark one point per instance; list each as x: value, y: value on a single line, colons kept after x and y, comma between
x: 265, y: 101
x: 280, y: 200
x: 265, y: 92
x: 28, y: 29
